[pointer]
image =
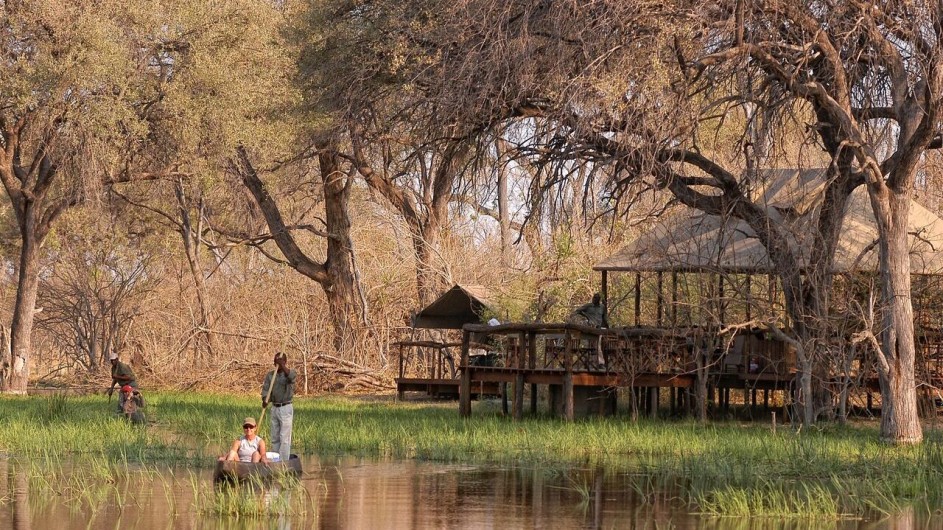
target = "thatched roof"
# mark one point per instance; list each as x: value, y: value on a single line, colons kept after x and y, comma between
x: 460, y: 305
x: 690, y: 240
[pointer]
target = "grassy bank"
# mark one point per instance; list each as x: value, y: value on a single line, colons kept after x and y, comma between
x: 720, y: 468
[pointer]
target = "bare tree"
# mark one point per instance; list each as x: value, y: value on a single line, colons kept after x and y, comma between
x: 91, y: 298
x: 335, y: 274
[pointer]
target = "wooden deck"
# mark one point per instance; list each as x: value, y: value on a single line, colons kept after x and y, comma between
x: 581, y: 363
x: 567, y: 357
x: 444, y: 388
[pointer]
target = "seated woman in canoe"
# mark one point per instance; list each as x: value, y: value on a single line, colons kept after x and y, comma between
x: 249, y: 448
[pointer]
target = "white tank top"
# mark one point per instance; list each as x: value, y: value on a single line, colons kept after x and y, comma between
x: 247, y: 448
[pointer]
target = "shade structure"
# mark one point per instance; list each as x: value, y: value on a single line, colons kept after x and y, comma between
x: 460, y: 305
x: 690, y: 240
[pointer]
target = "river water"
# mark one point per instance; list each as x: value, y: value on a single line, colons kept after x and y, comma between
x: 349, y: 492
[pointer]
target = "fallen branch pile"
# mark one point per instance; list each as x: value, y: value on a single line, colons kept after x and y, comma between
x: 337, y: 375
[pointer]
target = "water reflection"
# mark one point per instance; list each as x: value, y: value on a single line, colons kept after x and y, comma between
x: 348, y: 492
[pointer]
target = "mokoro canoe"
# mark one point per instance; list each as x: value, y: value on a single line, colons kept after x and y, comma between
x: 230, y: 471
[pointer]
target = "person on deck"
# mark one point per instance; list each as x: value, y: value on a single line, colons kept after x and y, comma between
x: 590, y: 314
x: 249, y: 448
x: 278, y: 388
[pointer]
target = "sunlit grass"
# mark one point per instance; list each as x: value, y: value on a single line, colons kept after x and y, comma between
x: 727, y: 469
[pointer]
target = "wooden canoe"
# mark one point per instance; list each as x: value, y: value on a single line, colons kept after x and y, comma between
x: 230, y: 471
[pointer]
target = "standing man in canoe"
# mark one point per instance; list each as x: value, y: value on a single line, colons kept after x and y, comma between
x: 278, y: 388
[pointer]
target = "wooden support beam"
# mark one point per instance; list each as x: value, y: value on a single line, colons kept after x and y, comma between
x: 604, y: 294
x: 518, y: 405
x: 660, y: 299
x: 402, y: 375
x: 568, y: 411
x: 464, y: 392
x: 532, y: 363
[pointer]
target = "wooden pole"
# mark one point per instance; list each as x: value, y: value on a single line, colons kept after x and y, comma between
x: 519, y: 377
x: 660, y: 299
x: 568, y: 412
x: 464, y: 391
x: 532, y: 364
x: 402, y: 367
x: 604, y: 294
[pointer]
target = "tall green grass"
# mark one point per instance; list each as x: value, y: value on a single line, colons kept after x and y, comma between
x: 719, y: 468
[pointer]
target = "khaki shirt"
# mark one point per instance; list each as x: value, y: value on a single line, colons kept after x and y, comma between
x: 284, y: 389
x: 123, y: 370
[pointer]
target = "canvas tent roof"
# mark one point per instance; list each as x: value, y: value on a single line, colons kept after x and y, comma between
x: 691, y: 241
x: 460, y: 305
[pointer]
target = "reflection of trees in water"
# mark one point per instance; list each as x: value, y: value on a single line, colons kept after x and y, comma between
x: 21, y: 508
x: 415, y: 494
x: 360, y: 493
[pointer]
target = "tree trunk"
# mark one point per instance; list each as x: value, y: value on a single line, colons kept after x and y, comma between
x: 341, y: 292
x: 191, y: 246
x: 429, y: 280
x: 504, y: 217
x: 335, y: 275
x: 900, y: 421
x: 24, y: 310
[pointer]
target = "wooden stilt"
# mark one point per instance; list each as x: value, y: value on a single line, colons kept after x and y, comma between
x: 518, y: 405
x: 568, y: 412
x: 464, y: 393
x: 532, y: 364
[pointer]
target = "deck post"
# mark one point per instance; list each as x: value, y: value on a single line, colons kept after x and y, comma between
x: 519, y: 377
x: 604, y: 294
x: 532, y: 364
x: 660, y: 299
x: 464, y: 391
x: 568, y: 411
x: 638, y: 298
x: 401, y: 394
x: 653, y: 401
